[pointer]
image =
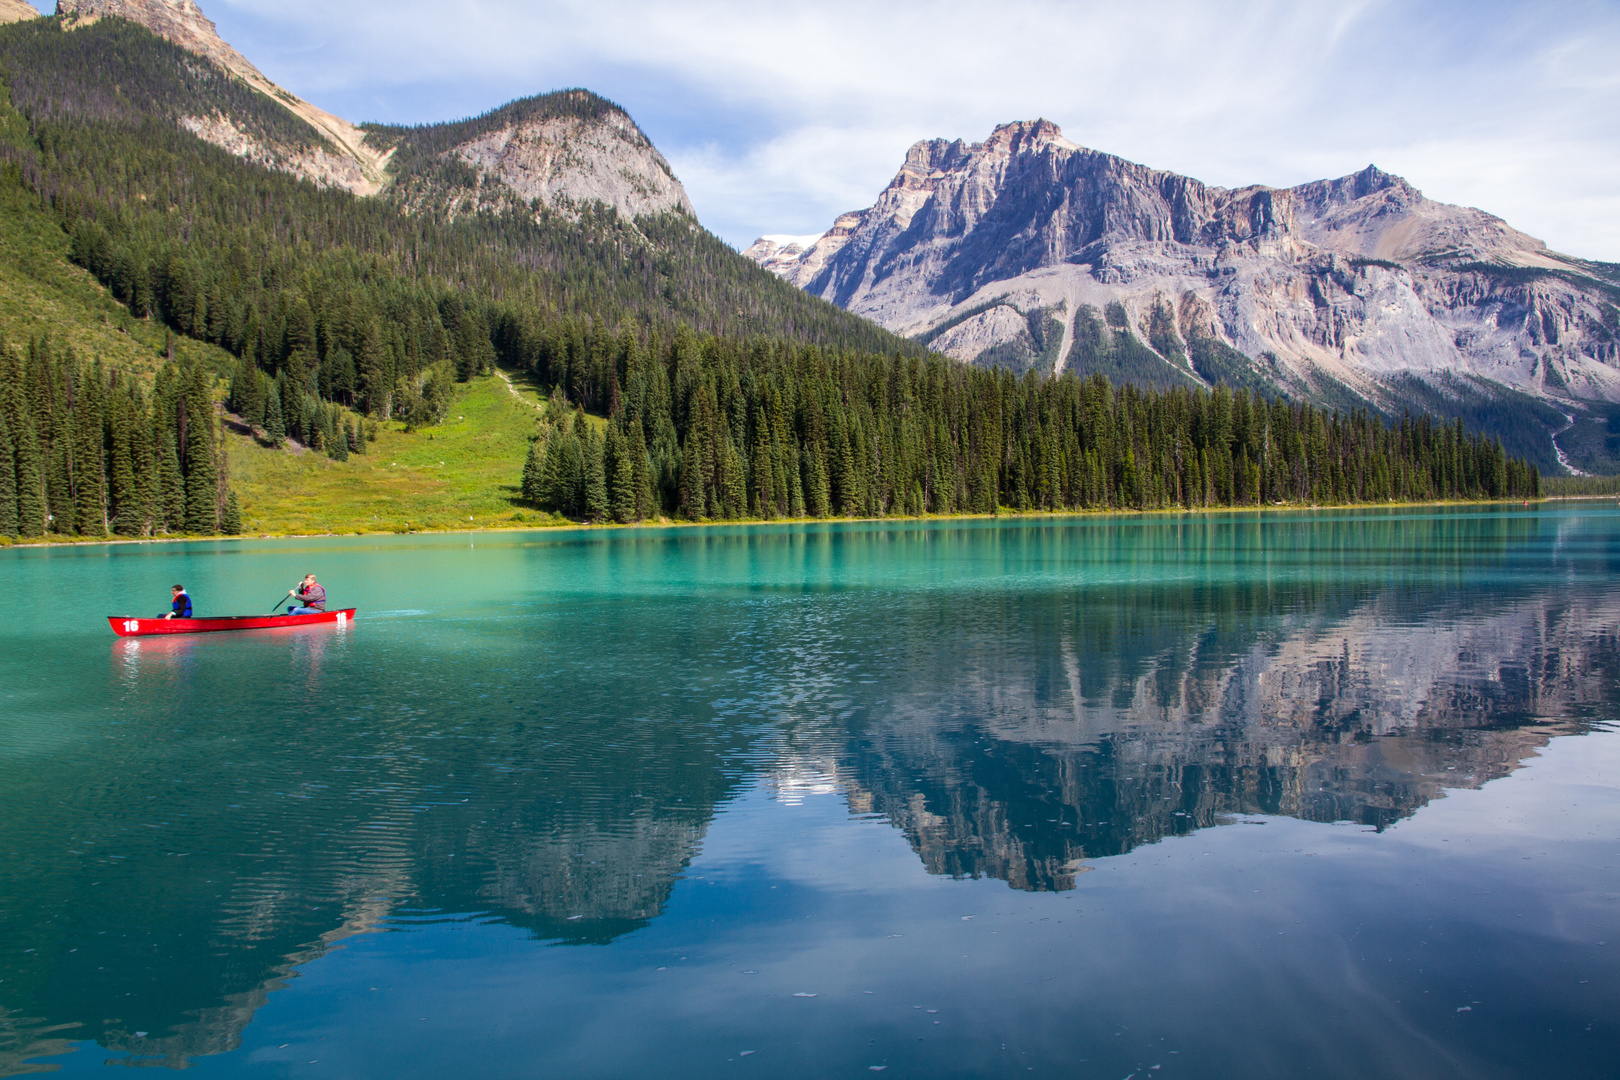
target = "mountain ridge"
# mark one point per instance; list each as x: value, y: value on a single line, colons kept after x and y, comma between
x: 560, y: 151
x: 550, y: 161
x: 345, y: 161
x: 1337, y: 290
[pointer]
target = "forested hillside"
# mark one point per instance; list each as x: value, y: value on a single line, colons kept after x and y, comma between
x: 235, y: 254
x: 708, y: 430
x: 95, y: 453
x: 730, y: 393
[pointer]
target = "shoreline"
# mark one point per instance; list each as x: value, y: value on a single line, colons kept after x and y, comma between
x: 667, y: 523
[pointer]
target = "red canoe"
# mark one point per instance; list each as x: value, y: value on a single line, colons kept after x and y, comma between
x: 125, y: 626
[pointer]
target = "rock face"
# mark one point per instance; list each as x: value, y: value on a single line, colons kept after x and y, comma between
x: 344, y: 161
x: 1339, y: 289
x: 781, y: 253
x: 567, y: 162
x: 16, y: 11
x: 556, y: 162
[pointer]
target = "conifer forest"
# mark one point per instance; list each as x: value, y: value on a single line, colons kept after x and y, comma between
x: 727, y: 393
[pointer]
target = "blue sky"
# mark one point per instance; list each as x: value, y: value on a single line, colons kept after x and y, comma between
x: 777, y: 117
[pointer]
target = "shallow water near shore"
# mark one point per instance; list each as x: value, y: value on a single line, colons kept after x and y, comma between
x: 1239, y: 795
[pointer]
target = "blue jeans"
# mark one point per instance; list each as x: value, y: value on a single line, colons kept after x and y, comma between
x: 304, y: 611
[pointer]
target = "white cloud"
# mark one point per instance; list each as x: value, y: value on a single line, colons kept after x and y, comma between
x: 779, y: 116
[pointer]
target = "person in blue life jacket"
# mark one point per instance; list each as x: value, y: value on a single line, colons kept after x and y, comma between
x: 310, y: 596
x: 181, y: 607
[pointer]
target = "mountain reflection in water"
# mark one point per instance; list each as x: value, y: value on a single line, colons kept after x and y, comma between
x: 1027, y: 766
x: 168, y: 870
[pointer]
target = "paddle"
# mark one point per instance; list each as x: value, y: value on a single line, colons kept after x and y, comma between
x: 277, y: 609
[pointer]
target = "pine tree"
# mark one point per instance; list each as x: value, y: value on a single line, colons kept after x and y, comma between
x: 596, y: 506
x: 567, y: 489
x: 89, y: 469
x: 59, y: 480
x: 275, y: 428
x: 620, y: 478
x: 551, y: 486
x: 796, y: 507
x: 30, y: 481
x: 247, y: 392
x: 762, y: 469
x: 171, y: 485
x: 818, y: 490
x: 330, y: 424
x: 202, y: 476
x: 375, y: 373
x: 693, y: 492
x: 232, y: 525
x: 340, y: 440
x: 128, y: 516
x: 143, y: 450
x: 844, y: 472
x: 641, y: 473
x: 8, y: 478
x: 534, y: 471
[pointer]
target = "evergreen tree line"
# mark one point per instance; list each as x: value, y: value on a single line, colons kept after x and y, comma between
x: 283, y: 409
x: 712, y: 429
x: 1582, y: 486
x: 87, y: 452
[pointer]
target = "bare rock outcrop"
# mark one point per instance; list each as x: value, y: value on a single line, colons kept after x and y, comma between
x: 781, y: 252
x: 1001, y: 325
x: 16, y: 11
x: 567, y: 162
x: 344, y: 160
x: 562, y: 161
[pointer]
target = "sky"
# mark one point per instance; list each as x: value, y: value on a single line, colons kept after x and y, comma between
x: 778, y: 117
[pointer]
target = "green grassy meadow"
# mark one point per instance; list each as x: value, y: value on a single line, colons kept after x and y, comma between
x: 462, y: 474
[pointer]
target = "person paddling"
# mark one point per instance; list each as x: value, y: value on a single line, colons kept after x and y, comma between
x: 310, y: 596
x: 181, y: 607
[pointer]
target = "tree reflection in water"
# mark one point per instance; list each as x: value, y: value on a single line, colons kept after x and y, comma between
x: 252, y: 808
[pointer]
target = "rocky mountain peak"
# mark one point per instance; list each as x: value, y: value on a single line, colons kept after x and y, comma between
x: 567, y: 162
x: 565, y: 150
x: 1024, y: 136
x: 1031, y: 251
x: 1393, y: 192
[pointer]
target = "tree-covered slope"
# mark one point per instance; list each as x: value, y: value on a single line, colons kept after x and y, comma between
x: 102, y: 104
x: 115, y: 71
x: 727, y: 392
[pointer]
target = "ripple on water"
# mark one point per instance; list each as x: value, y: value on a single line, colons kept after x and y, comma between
x: 576, y: 727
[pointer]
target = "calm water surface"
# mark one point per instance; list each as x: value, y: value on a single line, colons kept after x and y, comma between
x: 1226, y: 796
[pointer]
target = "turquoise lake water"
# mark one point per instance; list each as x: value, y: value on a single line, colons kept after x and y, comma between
x: 1270, y: 795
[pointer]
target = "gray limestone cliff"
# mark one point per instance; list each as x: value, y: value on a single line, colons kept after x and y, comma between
x: 1356, y: 290
x: 567, y: 162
